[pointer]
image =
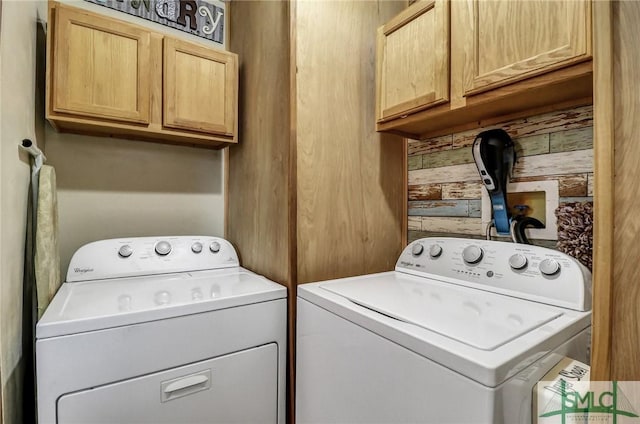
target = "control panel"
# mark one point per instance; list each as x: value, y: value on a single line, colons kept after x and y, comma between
x: 129, y: 257
x: 519, y: 270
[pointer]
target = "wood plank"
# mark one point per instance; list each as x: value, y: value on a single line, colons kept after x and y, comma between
x: 534, y: 125
x: 532, y: 145
x: 577, y: 162
x: 414, y: 223
x: 475, y: 208
x: 447, y: 158
x: 416, y: 235
x: 452, y: 225
x: 425, y: 192
x: 462, y: 190
x: 414, y: 162
x: 439, y: 208
x: 579, y: 199
x: 568, y: 185
x: 590, y: 184
x: 465, y: 138
x: 575, y: 139
x: 447, y: 174
x: 437, y: 144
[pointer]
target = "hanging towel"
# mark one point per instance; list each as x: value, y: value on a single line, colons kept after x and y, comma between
x: 47, y: 258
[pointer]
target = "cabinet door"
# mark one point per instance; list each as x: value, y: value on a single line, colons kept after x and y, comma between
x: 200, y: 88
x: 512, y: 40
x: 413, y: 60
x: 101, y: 67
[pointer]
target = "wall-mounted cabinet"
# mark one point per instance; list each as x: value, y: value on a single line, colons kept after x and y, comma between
x: 108, y: 77
x: 413, y: 60
x: 497, y: 58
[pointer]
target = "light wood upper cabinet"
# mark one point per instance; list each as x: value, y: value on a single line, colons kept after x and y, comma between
x: 446, y: 67
x: 413, y: 60
x: 513, y: 40
x: 101, y: 68
x: 199, y: 88
x: 108, y: 77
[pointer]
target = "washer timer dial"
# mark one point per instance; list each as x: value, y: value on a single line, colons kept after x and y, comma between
x: 163, y: 248
x: 518, y: 261
x: 549, y: 267
x: 472, y: 254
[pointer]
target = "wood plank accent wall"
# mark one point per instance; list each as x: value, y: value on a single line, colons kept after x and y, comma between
x: 444, y: 188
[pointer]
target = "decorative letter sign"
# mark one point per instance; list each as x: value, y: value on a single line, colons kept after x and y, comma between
x: 198, y: 17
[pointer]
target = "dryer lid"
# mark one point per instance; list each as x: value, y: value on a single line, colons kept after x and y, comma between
x: 96, y: 305
x: 476, y: 318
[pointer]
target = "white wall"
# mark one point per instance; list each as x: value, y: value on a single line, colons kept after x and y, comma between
x: 111, y: 188
x: 18, y: 119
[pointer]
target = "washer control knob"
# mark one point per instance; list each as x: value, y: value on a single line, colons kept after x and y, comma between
x: 214, y: 247
x: 125, y: 251
x: 549, y: 267
x: 472, y: 254
x: 196, y: 247
x: 163, y: 248
x: 518, y: 261
x: 417, y: 249
x: 435, y: 250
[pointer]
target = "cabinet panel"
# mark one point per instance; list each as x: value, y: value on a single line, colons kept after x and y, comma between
x: 199, y: 88
x: 513, y: 40
x: 101, y: 68
x: 413, y: 62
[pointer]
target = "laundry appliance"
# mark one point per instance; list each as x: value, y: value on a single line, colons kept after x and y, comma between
x: 162, y: 330
x: 460, y: 332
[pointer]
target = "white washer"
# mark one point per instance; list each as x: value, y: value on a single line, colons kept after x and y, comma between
x: 162, y: 330
x: 453, y: 335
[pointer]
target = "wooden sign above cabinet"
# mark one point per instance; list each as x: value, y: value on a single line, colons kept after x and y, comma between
x: 108, y: 77
x: 450, y: 66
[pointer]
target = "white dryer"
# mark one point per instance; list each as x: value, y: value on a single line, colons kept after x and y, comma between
x: 162, y: 330
x: 460, y: 332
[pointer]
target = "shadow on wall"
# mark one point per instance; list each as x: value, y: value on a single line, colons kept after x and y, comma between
x: 107, y: 164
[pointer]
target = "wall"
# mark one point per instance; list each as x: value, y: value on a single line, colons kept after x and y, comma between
x: 349, y: 178
x: 444, y: 185
x: 110, y: 188
x: 314, y: 191
x: 18, y: 118
x: 106, y: 187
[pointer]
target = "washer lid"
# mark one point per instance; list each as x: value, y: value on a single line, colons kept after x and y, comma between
x: 478, y: 319
x: 96, y: 305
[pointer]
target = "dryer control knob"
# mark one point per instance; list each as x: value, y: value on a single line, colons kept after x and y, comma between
x: 417, y: 249
x: 472, y: 254
x: 549, y: 267
x: 163, y: 248
x: 435, y: 250
x: 214, y: 247
x: 196, y: 247
x: 125, y: 251
x: 518, y: 261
